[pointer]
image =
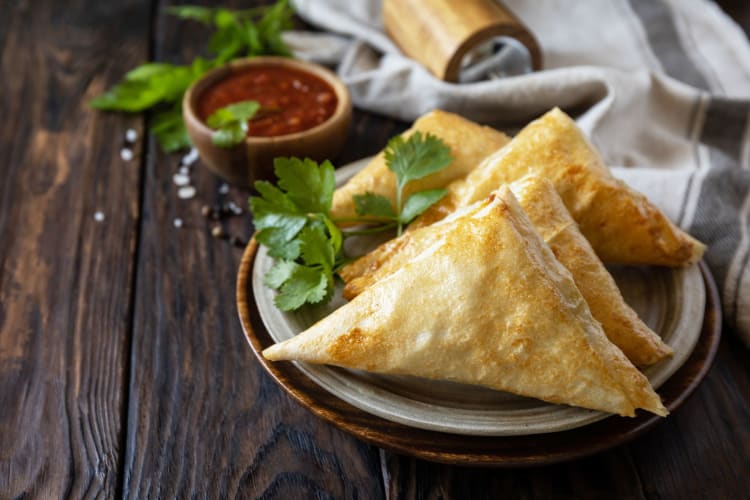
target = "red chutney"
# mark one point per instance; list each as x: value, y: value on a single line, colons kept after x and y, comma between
x: 291, y: 100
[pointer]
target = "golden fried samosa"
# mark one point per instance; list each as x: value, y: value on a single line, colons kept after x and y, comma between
x: 554, y: 223
x: 469, y: 142
x: 621, y: 224
x: 489, y: 305
x: 551, y: 219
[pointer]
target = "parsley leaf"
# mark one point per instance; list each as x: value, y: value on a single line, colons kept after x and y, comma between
x: 230, y: 123
x: 419, y: 202
x: 410, y: 159
x: 274, y: 210
x: 416, y: 157
x: 373, y: 204
x: 238, y: 33
x: 170, y: 130
x: 281, y: 271
x: 293, y: 222
x: 309, y: 185
x: 308, y: 282
x: 203, y: 15
x: 293, y: 217
x: 316, y: 248
x: 304, y: 285
x: 279, y: 242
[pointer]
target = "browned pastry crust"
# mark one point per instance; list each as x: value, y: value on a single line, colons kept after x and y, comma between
x: 487, y: 304
x: 469, y: 142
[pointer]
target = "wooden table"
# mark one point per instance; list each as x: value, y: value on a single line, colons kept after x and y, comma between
x: 123, y: 367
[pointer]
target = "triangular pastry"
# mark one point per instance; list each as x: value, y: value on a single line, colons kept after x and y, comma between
x: 469, y: 142
x: 550, y: 218
x: 488, y: 304
x: 554, y: 223
x: 620, y: 223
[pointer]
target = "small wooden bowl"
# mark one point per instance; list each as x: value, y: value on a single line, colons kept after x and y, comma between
x: 253, y: 160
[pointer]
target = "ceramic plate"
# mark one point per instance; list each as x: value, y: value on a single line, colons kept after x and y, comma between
x: 670, y: 301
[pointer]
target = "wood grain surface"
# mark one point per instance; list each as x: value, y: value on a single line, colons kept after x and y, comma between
x: 123, y: 368
x: 65, y: 279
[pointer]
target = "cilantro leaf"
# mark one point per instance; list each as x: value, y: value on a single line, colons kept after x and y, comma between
x: 148, y: 85
x: 416, y: 157
x: 230, y: 123
x: 148, y: 70
x: 419, y: 202
x: 374, y: 205
x: 275, y: 20
x: 280, y: 244
x: 294, y: 222
x: 239, y: 111
x: 309, y: 185
x: 203, y: 15
x: 279, y: 273
x: 170, y: 130
x: 316, y: 248
x: 249, y: 32
x: 229, y: 135
x: 304, y: 285
x: 337, y: 238
x: 273, y: 210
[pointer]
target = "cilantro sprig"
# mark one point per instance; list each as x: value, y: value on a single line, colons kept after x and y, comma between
x: 293, y: 221
x: 230, y: 123
x: 410, y: 159
x: 293, y: 218
x: 161, y: 86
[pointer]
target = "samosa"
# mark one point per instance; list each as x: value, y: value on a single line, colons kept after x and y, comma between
x: 621, y: 224
x: 551, y: 219
x: 469, y: 143
x: 487, y: 304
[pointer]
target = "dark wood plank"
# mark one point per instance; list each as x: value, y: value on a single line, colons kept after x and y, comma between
x: 596, y: 477
x: 703, y: 451
x: 65, y: 279
x: 204, y: 420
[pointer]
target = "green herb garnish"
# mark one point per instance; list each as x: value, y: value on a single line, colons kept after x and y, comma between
x: 293, y: 218
x: 230, y: 123
x: 293, y: 222
x: 410, y: 159
x: 237, y: 33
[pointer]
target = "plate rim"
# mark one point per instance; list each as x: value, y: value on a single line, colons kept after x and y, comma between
x: 379, y: 400
x: 461, y: 449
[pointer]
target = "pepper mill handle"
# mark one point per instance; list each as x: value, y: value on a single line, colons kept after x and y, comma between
x: 439, y: 33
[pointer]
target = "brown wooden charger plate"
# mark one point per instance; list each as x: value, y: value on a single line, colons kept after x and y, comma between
x: 504, y: 451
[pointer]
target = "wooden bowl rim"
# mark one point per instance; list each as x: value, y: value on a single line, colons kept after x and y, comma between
x: 342, y: 111
x: 513, y: 451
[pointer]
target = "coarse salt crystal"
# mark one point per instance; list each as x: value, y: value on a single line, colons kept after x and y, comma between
x: 177, y: 222
x: 98, y: 216
x: 186, y: 192
x: 236, y: 210
x: 131, y: 135
x: 181, y: 180
x: 190, y: 158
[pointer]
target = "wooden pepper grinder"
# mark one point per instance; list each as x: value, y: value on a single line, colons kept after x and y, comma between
x: 439, y: 33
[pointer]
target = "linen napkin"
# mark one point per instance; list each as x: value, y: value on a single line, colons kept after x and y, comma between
x: 662, y: 89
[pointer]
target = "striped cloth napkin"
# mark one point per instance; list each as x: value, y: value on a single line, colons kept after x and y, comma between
x: 662, y: 88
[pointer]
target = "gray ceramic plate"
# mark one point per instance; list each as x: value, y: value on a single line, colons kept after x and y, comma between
x: 670, y: 301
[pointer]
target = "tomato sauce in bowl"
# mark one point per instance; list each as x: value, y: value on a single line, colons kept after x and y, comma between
x: 291, y: 100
